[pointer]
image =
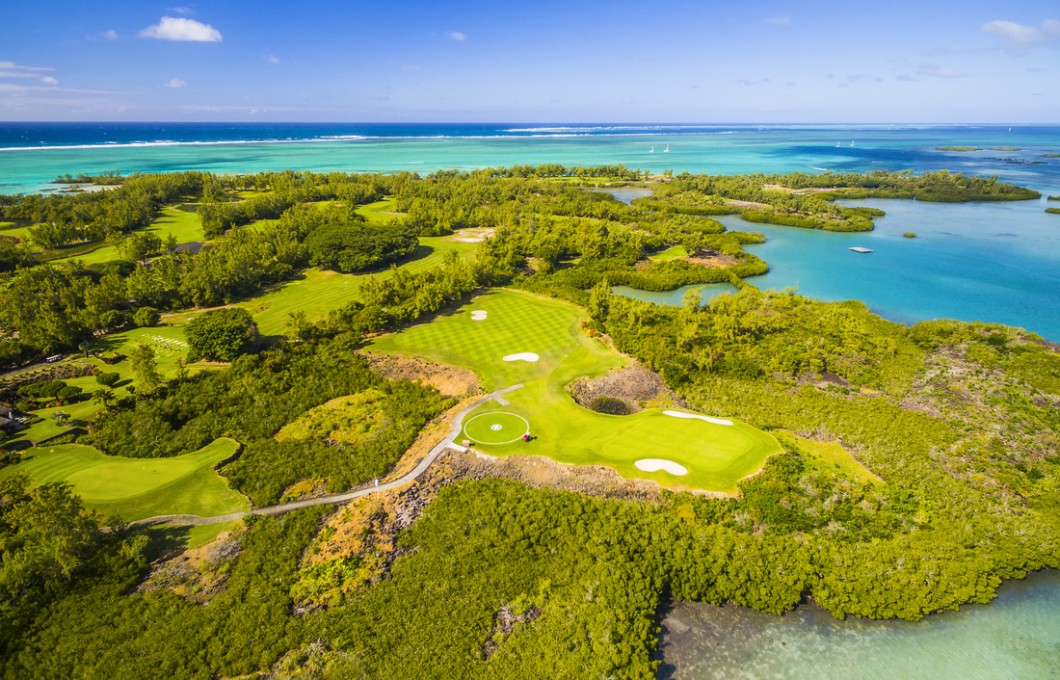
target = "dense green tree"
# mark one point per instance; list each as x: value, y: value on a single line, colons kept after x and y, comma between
x: 146, y: 316
x: 46, y: 537
x: 356, y: 246
x: 221, y: 334
x: 144, y: 367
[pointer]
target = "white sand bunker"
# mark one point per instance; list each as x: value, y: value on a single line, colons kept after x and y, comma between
x: 657, y: 464
x: 523, y: 356
x: 696, y: 416
x: 478, y: 315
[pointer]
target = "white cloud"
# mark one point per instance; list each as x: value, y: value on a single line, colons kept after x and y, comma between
x: 782, y: 20
x: 1021, y: 36
x: 181, y: 10
x: 272, y: 59
x: 457, y: 36
x: 175, y: 83
x: 183, y: 30
x: 48, y: 80
x: 110, y: 34
x: 9, y: 69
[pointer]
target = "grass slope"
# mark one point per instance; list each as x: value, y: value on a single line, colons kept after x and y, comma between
x: 716, y: 456
x: 318, y: 292
x: 184, y: 226
x: 135, y: 488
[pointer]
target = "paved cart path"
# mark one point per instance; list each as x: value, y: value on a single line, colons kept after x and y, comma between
x: 454, y: 432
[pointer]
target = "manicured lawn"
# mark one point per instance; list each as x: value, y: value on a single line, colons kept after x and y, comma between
x: 319, y: 292
x: 135, y: 488
x: 9, y: 229
x: 167, y: 341
x: 184, y: 226
x: 380, y: 212
x: 716, y: 456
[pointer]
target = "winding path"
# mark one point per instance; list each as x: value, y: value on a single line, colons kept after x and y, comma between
x: 454, y: 432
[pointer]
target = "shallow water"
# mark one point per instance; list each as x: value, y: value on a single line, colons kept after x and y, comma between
x: 970, y: 261
x: 1016, y: 636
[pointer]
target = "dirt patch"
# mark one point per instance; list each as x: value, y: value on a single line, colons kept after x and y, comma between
x: 808, y: 190
x: 504, y: 624
x: 449, y: 380
x: 746, y: 204
x: 712, y: 258
x: 197, y: 574
x: 473, y: 234
x: 635, y: 386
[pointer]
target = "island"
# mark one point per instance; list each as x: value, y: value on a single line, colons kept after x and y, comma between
x: 295, y: 424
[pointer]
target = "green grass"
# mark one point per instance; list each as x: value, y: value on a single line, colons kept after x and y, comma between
x: 671, y: 253
x: 168, y: 350
x: 184, y: 226
x: 134, y: 488
x: 168, y: 342
x: 318, y: 292
x: 833, y: 457
x: 21, y: 233
x: 380, y: 212
x: 716, y: 456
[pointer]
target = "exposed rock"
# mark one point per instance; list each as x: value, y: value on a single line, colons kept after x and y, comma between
x: 633, y: 385
x: 451, y: 381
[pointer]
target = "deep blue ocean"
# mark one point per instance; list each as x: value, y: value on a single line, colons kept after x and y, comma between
x: 981, y: 261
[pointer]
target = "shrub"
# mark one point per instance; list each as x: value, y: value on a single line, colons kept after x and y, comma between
x: 611, y: 406
x: 108, y: 379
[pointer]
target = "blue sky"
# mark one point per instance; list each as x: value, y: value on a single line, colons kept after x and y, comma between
x: 897, y: 61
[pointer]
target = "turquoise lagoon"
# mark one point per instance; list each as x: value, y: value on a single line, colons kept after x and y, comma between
x: 990, y: 262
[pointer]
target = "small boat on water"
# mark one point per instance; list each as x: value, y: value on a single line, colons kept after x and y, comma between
x: 667, y: 149
x: 652, y: 150
x: 860, y: 249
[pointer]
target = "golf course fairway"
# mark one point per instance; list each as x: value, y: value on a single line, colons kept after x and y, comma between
x: 135, y: 488
x: 715, y: 455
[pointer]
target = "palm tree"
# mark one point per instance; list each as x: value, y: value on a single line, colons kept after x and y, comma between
x: 104, y: 397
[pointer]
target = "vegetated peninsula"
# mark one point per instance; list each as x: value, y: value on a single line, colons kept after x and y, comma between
x: 279, y: 337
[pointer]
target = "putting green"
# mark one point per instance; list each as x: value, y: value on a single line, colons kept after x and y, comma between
x: 715, y: 455
x: 496, y: 428
x: 135, y: 488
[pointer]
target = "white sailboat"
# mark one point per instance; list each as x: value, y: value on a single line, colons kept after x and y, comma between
x: 652, y: 150
x: 852, y: 143
x: 667, y: 149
